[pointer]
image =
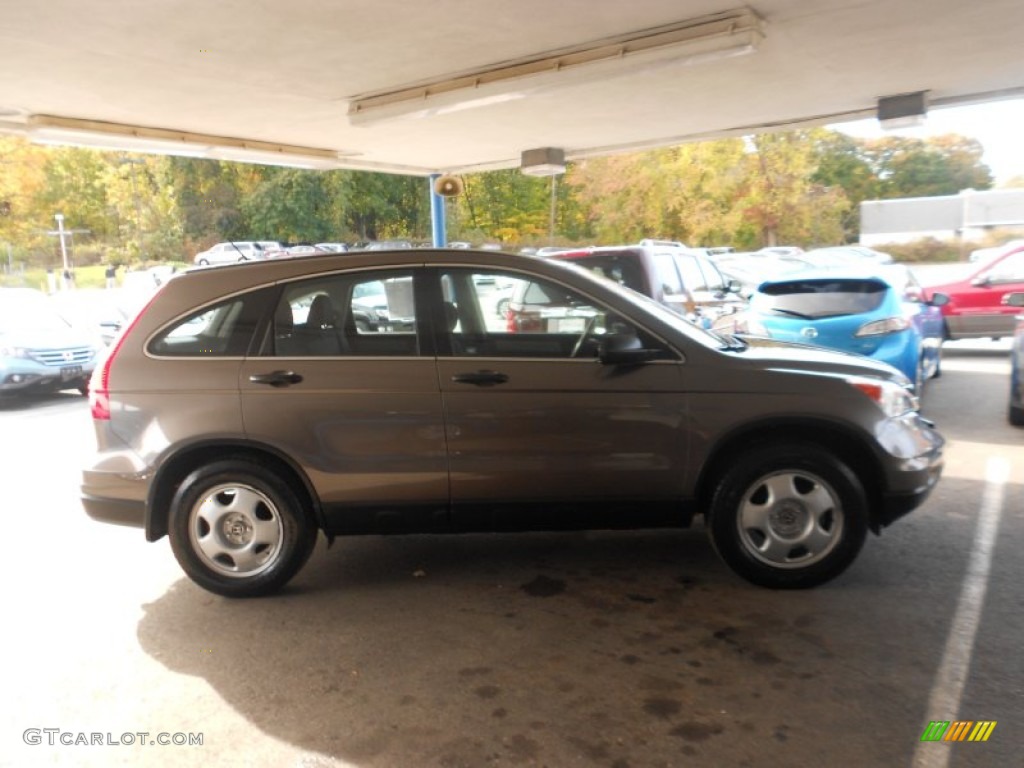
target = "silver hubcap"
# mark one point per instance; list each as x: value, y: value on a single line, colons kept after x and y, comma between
x: 236, y: 530
x: 790, y: 519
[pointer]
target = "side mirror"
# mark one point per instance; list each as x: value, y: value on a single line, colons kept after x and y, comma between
x: 984, y: 280
x: 734, y: 286
x: 623, y: 349
x: 1015, y: 299
x: 939, y: 300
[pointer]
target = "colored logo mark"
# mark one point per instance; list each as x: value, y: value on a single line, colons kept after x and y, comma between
x: 958, y: 730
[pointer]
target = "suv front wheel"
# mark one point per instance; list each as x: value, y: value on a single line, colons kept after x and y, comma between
x: 788, y: 516
x: 238, y: 529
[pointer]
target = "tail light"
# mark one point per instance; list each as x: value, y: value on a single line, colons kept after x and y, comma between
x: 882, y: 327
x: 519, y: 321
x: 99, y: 382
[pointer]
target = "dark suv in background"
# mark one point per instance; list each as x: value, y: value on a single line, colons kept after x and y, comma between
x: 684, y: 280
x: 246, y: 409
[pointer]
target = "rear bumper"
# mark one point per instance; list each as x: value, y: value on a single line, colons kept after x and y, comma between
x: 116, y: 511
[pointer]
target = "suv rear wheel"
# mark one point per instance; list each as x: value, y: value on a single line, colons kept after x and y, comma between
x: 238, y: 529
x: 789, y: 516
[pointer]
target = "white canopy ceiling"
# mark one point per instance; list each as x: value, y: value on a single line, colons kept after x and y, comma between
x: 237, y: 77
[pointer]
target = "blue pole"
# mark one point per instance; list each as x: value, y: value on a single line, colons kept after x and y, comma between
x: 437, y: 214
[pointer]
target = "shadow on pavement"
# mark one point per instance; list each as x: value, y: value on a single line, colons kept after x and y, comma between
x: 612, y: 649
x: 14, y: 403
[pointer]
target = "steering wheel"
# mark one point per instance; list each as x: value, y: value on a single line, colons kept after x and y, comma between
x: 587, y: 328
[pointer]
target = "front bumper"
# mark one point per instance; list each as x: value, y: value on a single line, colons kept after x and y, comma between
x: 897, y: 504
x: 25, y: 376
x: 914, y: 466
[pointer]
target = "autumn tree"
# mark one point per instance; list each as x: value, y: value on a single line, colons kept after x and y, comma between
x: 22, y: 180
x: 780, y: 202
x: 679, y: 193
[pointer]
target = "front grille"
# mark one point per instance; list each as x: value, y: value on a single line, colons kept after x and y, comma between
x: 58, y: 357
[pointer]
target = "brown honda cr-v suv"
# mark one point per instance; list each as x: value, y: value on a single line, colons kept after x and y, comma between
x: 246, y: 409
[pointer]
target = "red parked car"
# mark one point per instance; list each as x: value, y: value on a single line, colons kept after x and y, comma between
x: 976, y: 309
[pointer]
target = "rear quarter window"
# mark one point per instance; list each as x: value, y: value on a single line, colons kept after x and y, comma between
x: 222, y: 330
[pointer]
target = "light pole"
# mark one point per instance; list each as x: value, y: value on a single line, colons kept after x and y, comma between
x: 63, y: 249
x: 133, y: 161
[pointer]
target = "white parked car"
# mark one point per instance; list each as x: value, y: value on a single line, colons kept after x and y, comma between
x: 225, y: 253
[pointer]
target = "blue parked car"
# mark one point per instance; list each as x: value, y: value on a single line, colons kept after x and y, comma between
x: 875, y: 310
x: 39, y: 351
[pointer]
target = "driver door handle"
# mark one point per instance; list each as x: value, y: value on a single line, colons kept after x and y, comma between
x: 480, y: 378
x: 276, y: 378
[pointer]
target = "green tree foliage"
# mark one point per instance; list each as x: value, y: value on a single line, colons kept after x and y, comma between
x: 383, y: 206
x: 506, y: 206
x: 290, y: 205
x: 942, y: 165
x: 799, y: 187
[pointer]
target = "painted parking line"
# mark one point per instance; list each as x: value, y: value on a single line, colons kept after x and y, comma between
x: 947, y: 691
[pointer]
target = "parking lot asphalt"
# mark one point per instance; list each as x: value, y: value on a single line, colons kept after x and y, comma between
x: 583, y: 649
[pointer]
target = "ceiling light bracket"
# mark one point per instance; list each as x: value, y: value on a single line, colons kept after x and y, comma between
x: 905, y: 110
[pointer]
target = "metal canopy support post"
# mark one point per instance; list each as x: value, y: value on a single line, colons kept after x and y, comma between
x: 440, y: 235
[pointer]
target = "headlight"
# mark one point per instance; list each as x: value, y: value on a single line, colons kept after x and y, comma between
x: 893, y: 399
x: 13, y: 352
x: 882, y: 327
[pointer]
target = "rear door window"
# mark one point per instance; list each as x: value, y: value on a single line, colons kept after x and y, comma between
x: 352, y: 315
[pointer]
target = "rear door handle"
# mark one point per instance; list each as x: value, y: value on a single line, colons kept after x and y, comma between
x: 480, y: 378
x: 276, y: 378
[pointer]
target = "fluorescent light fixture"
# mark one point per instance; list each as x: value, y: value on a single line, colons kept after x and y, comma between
x: 906, y: 110
x: 546, y: 161
x: 708, y: 38
x: 94, y: 134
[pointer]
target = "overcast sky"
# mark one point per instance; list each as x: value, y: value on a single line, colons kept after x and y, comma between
x: 998, y: 125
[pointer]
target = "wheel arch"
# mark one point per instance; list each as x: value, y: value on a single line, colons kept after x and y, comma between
x: 851, y: 448
x: 175, y: 468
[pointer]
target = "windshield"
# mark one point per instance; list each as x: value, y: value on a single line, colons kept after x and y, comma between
x: 819, y: 298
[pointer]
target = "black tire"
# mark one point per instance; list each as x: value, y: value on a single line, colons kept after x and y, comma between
x: 808, y: 534
x: 238, y: 529
x: 1015, y: 414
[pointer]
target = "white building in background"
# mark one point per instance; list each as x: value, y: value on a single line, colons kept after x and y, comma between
x: 968, y: 215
